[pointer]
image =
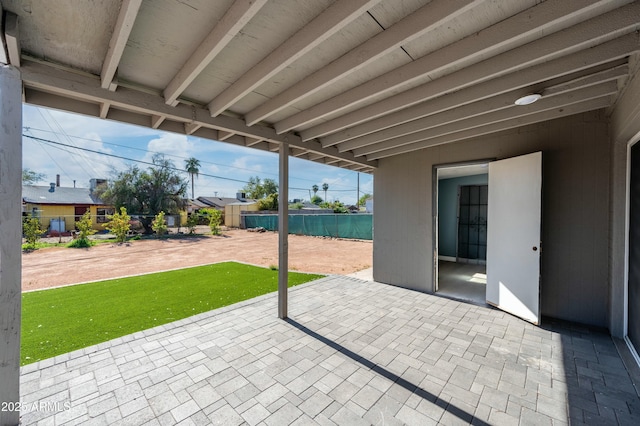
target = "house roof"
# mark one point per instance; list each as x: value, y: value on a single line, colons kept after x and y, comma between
x: 197, y: 203
x: 345, y: 83
x: 220, y: 202
x: 67, y: 196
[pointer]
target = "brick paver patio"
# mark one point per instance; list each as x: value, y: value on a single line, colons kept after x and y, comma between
x: 353, y: 352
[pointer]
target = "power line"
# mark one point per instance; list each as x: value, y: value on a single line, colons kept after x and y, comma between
x: 127, y: 158
x: 152, y: 164
x: 182, y: 158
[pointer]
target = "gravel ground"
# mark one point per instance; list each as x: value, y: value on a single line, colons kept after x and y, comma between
x: 56, y: 266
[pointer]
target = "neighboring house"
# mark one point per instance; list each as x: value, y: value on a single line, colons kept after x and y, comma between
x: 193, y: 205
x: 219, y: 203
x: 59, y: 208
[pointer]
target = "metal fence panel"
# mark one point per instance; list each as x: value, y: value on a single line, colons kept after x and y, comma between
x: 356, y: 226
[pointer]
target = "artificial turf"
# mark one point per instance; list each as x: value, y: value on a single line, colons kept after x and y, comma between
x: 61, y: 320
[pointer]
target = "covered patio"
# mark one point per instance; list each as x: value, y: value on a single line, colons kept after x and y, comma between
x: 401, y: 89
x: 352, y: 352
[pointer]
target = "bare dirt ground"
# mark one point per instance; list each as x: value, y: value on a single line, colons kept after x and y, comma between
x: 52, y: 267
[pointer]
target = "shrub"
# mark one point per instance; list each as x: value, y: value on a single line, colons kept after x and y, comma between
x: 85, y: 229
x: 32, y: 231
x: 119, y: 224
x: 270, y: 202
x: 215, y: 218
x: 192, y: 222
x: 159, y: 225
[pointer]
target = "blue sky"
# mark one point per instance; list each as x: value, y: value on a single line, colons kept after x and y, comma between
x: 139, y: 143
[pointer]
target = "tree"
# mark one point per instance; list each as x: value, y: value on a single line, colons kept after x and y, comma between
x: 363, y: 200
x: 269, y: 186
x: 192, y: 166
x: 325, y: 187
x: 314, y: 188
x: 316, y: 200
x: 119, y: 224
x: 29, y: 177
x: 147, y: 192
x: 257, y: 189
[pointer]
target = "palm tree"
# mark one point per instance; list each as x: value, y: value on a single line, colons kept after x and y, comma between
x: 325, y: 186
x: 192, y: 166
x: 315, y: 189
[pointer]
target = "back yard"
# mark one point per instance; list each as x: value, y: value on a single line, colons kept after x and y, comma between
x: 60, y: 266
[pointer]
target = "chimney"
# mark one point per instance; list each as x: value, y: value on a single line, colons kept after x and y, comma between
x: 58, y: 181
x: 52, y: 187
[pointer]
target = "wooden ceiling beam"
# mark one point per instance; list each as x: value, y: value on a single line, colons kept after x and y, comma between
x: 70, y: 84
x: 329, y: 22
x: 122, y: 30
x: 476, y: 108
x: 511, y: 113
x: 582, y: 36
x: 236, y: 17
x: 407, y: 29
x: 540, y: 117
x: 493, y: 40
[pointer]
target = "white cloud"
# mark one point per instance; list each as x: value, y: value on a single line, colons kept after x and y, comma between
x: 170, y: 144
x: 248, y: 163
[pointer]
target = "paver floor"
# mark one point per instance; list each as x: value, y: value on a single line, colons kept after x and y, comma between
x: 353, y: 352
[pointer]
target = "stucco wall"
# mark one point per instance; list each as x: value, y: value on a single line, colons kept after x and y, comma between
x: 576, y: 172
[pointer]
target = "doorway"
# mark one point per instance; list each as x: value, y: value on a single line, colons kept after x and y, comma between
x: 513, y: 230
x: 633, y: 253
x: 461, y: 216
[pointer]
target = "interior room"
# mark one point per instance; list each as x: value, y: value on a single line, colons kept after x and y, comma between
x: 462, y: 200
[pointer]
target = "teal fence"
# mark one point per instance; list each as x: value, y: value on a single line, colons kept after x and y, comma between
x: 358, y: 226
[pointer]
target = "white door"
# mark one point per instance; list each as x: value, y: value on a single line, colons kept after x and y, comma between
x: 513, y: 235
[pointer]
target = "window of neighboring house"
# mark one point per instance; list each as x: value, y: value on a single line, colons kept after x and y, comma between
x: 102, y: 215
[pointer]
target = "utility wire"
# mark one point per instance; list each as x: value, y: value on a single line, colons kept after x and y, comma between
x: 183, y: 158
x: 41, y: 140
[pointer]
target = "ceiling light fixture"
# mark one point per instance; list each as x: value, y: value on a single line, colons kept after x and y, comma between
x: 528, y: 99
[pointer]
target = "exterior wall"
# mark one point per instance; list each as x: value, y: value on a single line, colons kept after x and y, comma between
x: 46, y: 212
x: 232, y: 213
x: 576, y: 172
x: 625, y: 130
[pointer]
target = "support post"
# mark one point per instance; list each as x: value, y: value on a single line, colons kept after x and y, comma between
x: 10, y: 240
x: 283, y: 232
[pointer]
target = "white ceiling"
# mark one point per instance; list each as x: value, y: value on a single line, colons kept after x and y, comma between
x: 346, y: 82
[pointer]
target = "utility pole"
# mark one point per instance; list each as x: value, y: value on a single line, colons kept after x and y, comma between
x: 358, y: 197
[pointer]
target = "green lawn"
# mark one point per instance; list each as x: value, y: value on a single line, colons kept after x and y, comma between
x: 62, y: 320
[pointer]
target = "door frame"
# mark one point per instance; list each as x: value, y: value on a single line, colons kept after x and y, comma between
x: 435, y: 209
x: 627, y: 224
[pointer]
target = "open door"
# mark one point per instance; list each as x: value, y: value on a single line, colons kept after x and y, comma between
x: 513, y: 235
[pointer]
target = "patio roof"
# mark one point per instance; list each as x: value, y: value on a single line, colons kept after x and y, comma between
x: 342, y: 82
x: 353, y: 352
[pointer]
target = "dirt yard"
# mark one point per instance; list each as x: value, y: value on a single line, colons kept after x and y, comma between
x: 56, y: 266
